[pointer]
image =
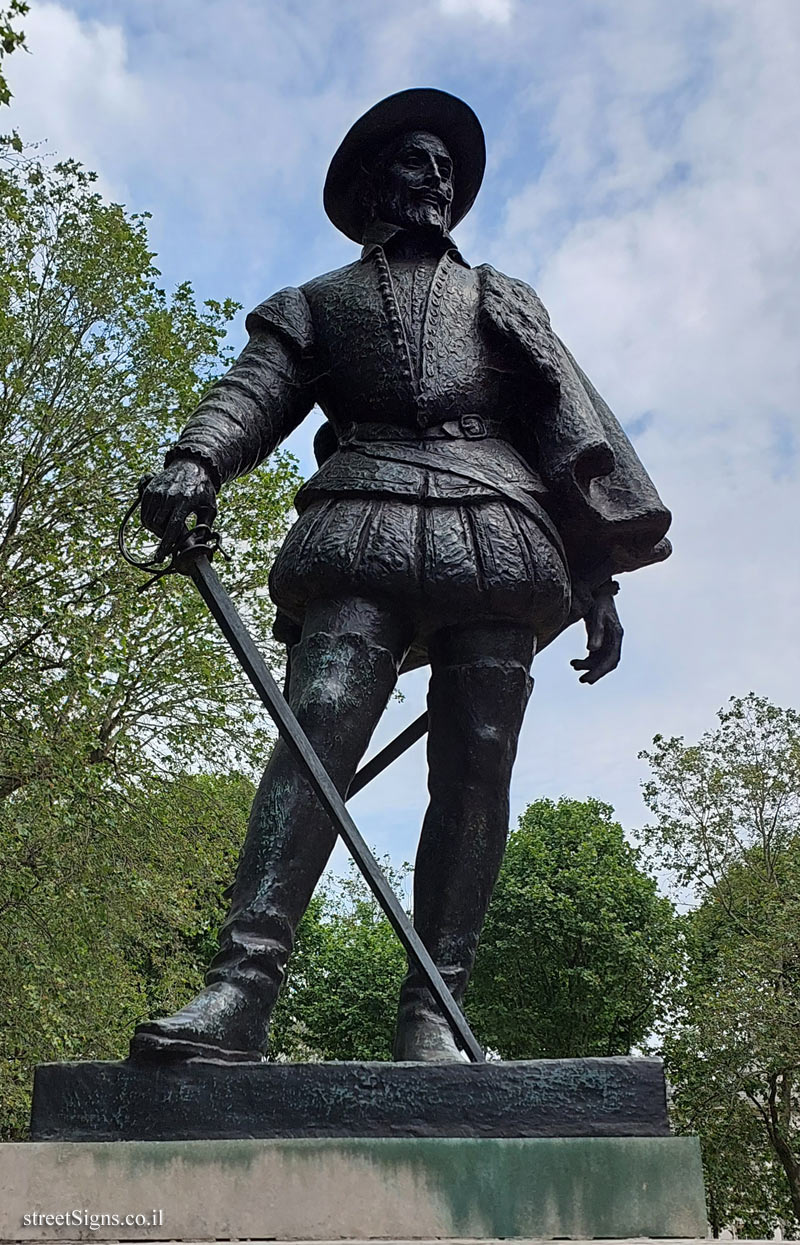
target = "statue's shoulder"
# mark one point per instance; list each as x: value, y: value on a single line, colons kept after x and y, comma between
x: 501, y: 291
x: 333, y: 282
x: 290, y: 312
x: 287, y: 313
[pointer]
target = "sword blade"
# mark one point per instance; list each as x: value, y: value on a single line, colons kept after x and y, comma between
x: 230, y: 623
x: 390, y: 753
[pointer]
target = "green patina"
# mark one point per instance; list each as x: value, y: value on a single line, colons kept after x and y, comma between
x: 488, y: 1187
x: 581, y: 1187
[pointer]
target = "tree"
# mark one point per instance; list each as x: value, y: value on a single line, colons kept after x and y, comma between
x: 340, y: 999
x: 571, y: 962
x: 727, y: 826
x: 577, y: 940
x: 113, y: 703
x: 114, y: 925
x: 99, y: 370
x: 11, y: 38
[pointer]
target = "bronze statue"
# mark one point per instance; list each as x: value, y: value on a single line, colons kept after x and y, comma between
x: 475, y: 496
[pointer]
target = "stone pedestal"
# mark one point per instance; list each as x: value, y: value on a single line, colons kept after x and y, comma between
x: 575, y: 1148
x: 359, y: 1188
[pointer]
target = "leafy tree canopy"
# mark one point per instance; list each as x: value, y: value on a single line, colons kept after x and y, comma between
x: 577, y: 941
x: 726, y: 825
x: 112, y: 702
x: 109, y: 922
x: 11, y: 38
x: 99, y: 368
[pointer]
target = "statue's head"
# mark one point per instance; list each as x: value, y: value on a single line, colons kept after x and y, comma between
x: 410, y: 183
x: 416, y: 159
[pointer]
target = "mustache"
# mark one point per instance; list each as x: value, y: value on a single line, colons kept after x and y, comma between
x: 430, y: 193
x: 403, y: 203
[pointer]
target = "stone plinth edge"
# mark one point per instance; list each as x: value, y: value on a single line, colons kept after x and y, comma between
x: 357, y: 1188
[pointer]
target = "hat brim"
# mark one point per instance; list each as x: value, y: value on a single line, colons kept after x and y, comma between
x: 421, y: 108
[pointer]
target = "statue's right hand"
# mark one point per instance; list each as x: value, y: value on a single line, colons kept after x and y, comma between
x: 181, y: 489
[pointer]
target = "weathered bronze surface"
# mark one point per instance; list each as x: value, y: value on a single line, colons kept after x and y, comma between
x: 541, y: 1098
x: 475, y: 496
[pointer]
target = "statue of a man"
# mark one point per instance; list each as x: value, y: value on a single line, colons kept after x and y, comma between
x: 475, y: 496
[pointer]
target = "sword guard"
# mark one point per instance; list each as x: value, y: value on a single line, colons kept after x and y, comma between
x: 200, y: 541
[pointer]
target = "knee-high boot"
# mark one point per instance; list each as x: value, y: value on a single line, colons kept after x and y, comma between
x: 476, y: 712
x: 338, y: 689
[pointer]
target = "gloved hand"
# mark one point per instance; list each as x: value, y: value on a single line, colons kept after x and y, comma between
x: 181, y: 489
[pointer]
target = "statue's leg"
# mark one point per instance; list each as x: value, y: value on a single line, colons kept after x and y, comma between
x: 479, y: 688
x: 342, y: 673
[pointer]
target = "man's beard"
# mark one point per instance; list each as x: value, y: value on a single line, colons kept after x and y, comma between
x: 398, y: 207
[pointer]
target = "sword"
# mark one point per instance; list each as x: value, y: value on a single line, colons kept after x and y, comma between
x: 192, y: 558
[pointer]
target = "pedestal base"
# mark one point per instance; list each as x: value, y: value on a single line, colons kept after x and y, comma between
x: 328, y: 1189
x: 620, y: 1097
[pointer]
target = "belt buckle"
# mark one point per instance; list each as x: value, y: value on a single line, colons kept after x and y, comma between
x: 472, y: 427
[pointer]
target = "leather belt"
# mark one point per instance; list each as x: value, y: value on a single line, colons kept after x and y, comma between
x: 465, y: 428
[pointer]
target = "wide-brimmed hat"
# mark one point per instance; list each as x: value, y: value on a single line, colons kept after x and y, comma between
x: 421, y: 108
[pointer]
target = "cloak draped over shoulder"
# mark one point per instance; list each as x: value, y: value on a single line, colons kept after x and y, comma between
x: 602, y: 500
x: 608, y: 508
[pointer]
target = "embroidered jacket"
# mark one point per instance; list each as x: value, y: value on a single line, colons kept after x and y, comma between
x: 524, y: 420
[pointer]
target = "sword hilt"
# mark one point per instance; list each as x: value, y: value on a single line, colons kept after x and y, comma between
x: 197, y: 542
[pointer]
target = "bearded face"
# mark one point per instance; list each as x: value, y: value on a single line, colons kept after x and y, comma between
x: 412, y: 183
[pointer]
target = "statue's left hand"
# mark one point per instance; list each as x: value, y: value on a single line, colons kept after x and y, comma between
x: 603, y: 640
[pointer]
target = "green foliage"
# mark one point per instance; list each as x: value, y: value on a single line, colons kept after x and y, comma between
x: 340, y: 999
x: 109, y: 922
x: 11, y: 38
x: 726, y: 824
x: 100, y: 368
x: 571, y: 962
x: 109, y: 699
x: 577, y: 941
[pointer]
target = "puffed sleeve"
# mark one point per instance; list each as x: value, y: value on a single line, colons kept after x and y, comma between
x: 264, y: 396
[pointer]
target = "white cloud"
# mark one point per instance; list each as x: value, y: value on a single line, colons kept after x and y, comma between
x: 75, y: 86
x: 487, y: 10
x: 644, y: 171
x: 669, y: 260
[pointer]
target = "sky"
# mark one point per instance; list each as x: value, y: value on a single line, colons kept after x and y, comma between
x: 643, y: 174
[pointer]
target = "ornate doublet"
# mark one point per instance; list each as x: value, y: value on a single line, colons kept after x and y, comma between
x: 474, y: 471
x: 399, y: 342
x: 412, y: 383
x: 425, y: 500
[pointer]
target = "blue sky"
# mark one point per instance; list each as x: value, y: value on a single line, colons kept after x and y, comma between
x: 643, y: 174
